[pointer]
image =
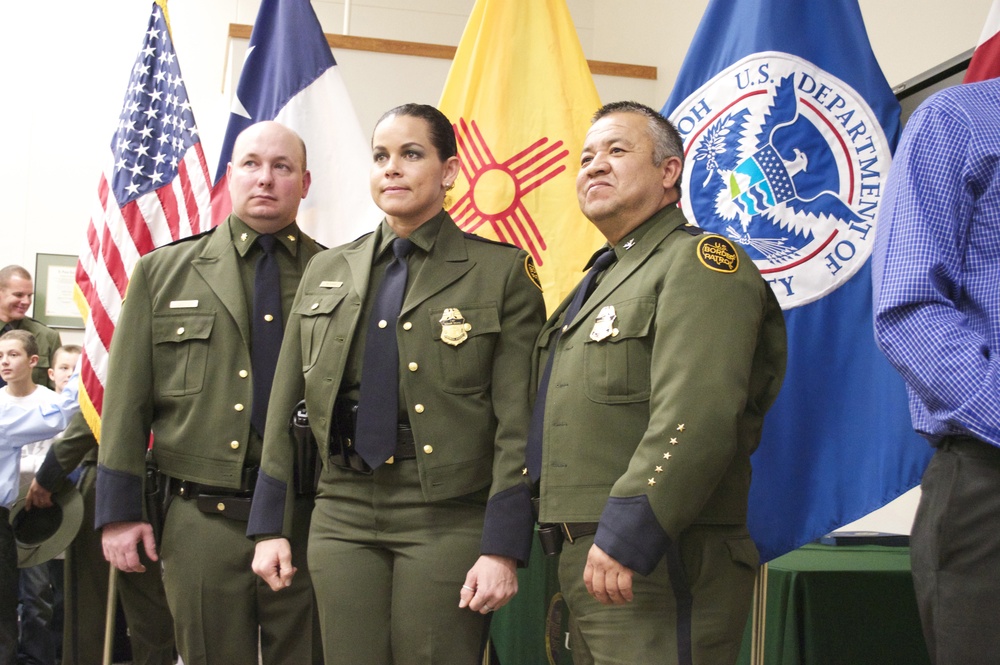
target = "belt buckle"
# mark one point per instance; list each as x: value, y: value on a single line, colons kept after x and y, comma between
x: 566, y: 532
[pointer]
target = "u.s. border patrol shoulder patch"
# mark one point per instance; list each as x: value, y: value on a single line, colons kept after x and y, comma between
x: 718, y: 254
x: 529, y: 267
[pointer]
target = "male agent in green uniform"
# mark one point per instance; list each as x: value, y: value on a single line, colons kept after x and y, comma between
x: 655, y: 400
x: 16, y: 292
x: 182, y: 366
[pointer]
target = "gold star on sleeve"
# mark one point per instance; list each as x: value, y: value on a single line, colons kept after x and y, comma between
x: 659, y: 469
x: 652, y: 481
x: 680, y: 427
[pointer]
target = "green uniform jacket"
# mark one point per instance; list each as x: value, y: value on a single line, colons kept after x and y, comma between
x: 469, y: 405
x: 180, y: 367
x: 649, y: 430
x: 48, y: 341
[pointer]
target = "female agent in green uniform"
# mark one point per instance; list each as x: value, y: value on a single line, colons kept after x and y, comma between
x: 412, y: 349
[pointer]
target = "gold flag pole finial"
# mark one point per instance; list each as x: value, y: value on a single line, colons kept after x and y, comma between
x: 166, y: 15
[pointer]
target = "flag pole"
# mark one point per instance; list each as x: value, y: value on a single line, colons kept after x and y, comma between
x: 347, y: 17
x: 109, y: 615
x: 758, y: 616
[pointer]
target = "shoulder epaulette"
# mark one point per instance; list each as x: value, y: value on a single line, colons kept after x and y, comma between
x: 473, y: 236
x: 692, y: 230
x: 186, y: 239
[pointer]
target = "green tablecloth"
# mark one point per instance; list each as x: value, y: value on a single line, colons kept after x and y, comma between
x: 841, y: 605
x: 826, y: 605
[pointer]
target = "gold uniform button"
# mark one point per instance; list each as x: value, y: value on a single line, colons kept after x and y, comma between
x: 428, y: 449
x: 244, y: 374
x: 419, y: 408
x: 383, y: 323
x: 238, y: 407
x: 315, y: 305
x: 407, y: 325
x: 180, y: 331
x: 221, y: 506
x: 268, y: 318
x: 234, y: 445
x: 413, y: 367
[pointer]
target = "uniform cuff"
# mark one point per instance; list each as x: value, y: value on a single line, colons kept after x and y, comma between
x: 119, y: 497
x: 50, y: 474
x: 509, y: 525
x: 267, y: 513
x: 630, y: 534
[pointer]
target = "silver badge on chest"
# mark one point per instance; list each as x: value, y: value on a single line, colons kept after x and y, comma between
x: 604, y: 326
x: 454, y: 329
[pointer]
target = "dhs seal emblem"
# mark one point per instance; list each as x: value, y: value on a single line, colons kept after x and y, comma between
x: 787, y: 161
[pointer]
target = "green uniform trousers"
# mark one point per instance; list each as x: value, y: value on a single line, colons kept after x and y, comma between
x: 661, y: 619
x: 388, y: 568
x: 151, y: 630
x: 220, y: 606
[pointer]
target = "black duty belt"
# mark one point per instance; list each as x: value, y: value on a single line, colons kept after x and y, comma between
x: 230, y: 502
x: 574, y: 530
x: 343, y: 453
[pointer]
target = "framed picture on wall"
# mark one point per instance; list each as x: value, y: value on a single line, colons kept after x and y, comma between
x: 55, y: 277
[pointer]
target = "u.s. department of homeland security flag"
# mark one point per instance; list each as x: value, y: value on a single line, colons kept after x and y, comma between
x: 788, y: 127
x: 290, y: 76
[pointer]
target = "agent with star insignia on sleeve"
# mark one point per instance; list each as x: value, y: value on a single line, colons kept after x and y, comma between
x: 412, y: 348
x: 654, y: 377
x: 192, y: 361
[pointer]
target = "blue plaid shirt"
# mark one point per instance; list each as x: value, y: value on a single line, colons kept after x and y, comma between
x: 936, y: 267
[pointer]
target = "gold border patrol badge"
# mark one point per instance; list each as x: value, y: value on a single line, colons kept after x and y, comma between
x: 718, y: 254
x: 454, y: 329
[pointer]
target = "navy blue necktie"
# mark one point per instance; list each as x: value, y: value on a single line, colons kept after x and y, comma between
x: 266, y: 328
x: 378, y: 404
x: 533, y: 451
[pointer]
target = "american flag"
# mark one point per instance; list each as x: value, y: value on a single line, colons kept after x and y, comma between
x: 154, y: 189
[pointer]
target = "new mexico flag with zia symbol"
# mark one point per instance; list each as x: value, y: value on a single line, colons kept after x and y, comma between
x: 520, y: 96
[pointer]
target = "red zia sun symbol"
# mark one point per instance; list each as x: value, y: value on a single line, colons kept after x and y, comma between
x: 497, y: 190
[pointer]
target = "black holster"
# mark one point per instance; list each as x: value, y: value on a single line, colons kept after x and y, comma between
x: 155, y: 497
x: 307, y: 468
x: 550, y: 534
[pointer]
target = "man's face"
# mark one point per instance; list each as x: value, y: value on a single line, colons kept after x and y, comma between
x: 15, y: 363
x: 618, y: 185
x: 266, y: 177
x: 15, y: 299
x: 62, y: 368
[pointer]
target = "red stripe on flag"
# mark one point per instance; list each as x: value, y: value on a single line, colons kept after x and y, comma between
x: 189, y: 201
x: 102, y: 192
x: 84, y: 284
x: 103, y: 325
x: 985, y: 62
x: 171, y: 217
x: 113, y: 262
x: 92, y: 384
x: 222, y: 204
x: 137, y: 229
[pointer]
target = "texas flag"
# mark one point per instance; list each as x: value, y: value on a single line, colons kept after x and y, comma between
x: 290, y: 76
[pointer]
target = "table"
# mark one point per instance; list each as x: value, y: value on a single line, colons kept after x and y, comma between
x: 841, y: 605
x: 826, y: 605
